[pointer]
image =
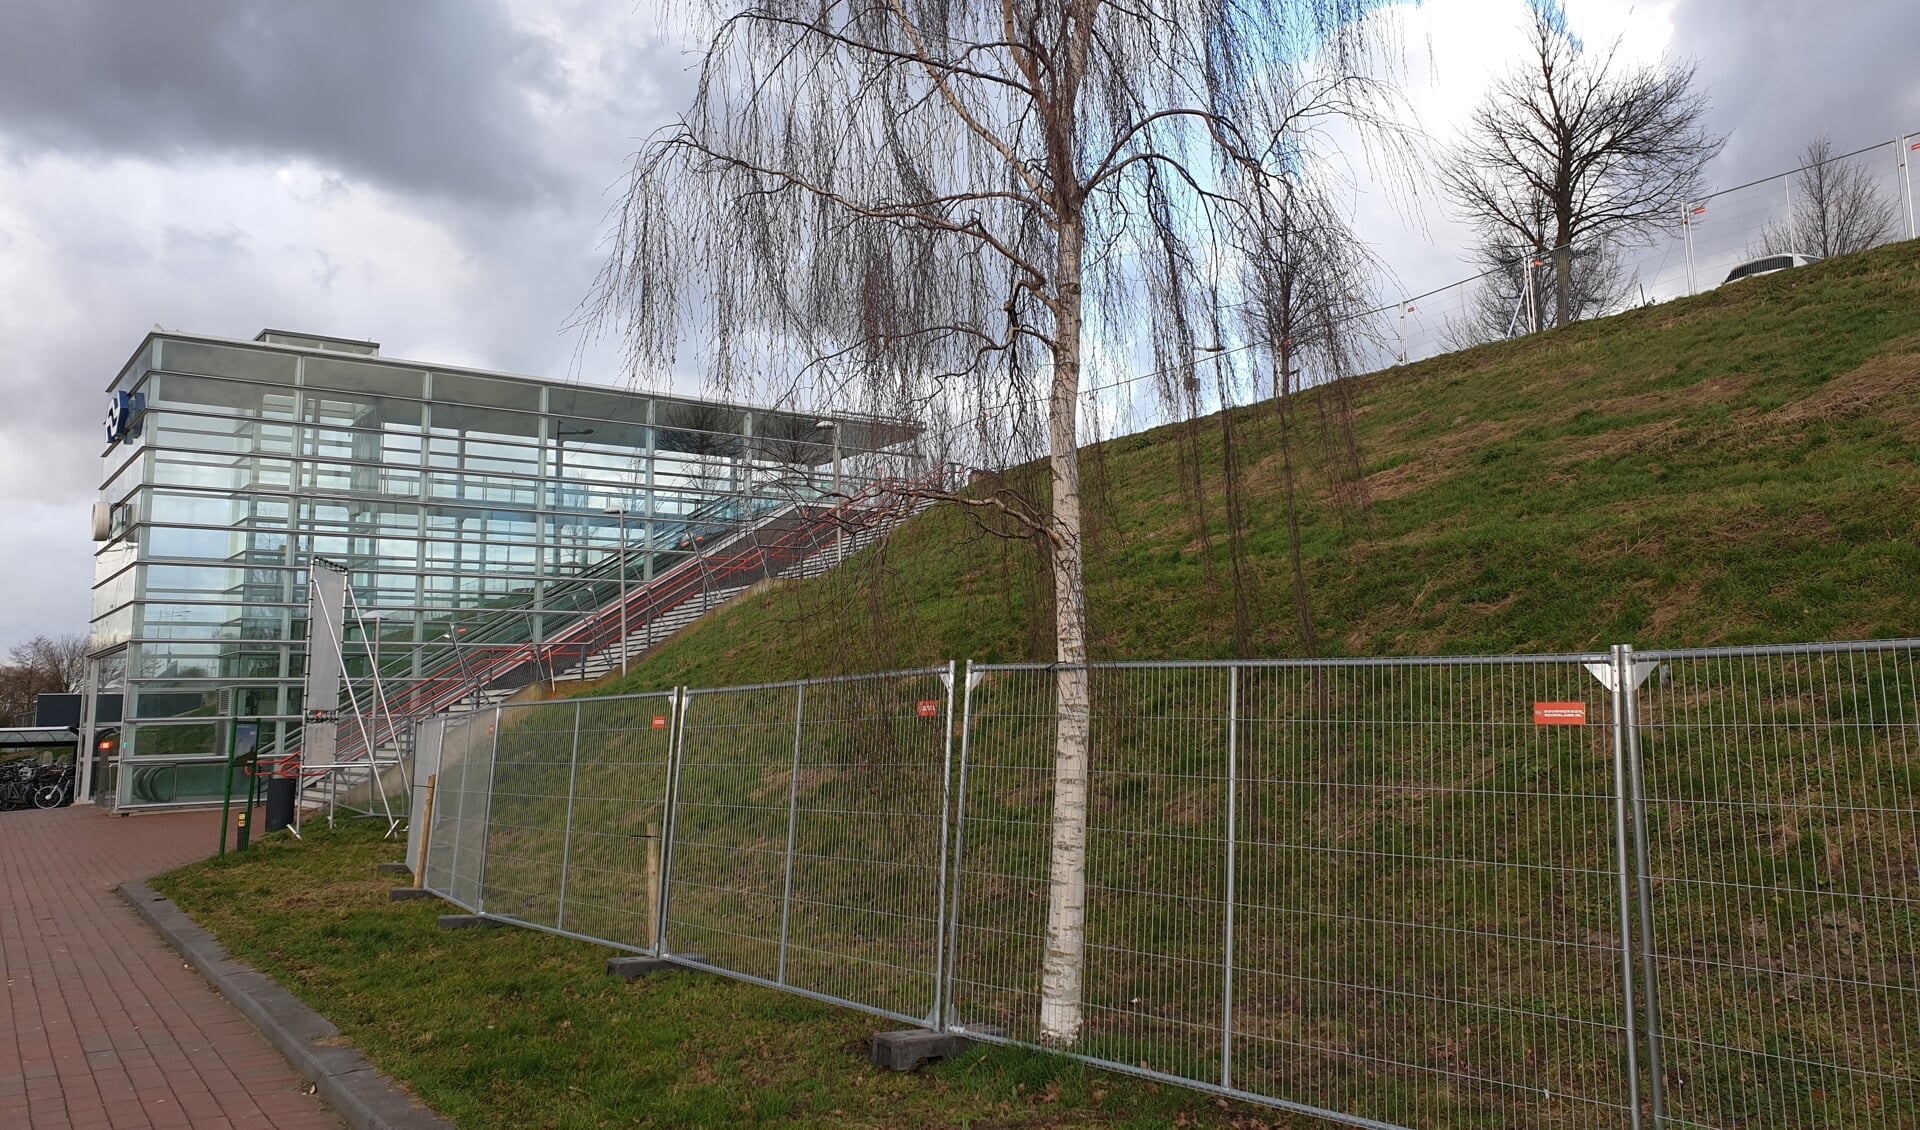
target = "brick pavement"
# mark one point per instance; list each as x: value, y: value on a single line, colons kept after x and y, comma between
x: 104, y: 1025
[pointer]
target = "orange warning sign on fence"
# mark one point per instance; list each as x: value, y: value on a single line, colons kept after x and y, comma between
x: 1559, y: 713
x: 929, y: 708
x: 659, y: 721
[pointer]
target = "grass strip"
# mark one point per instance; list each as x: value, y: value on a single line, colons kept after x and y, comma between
x: 514, y: 1028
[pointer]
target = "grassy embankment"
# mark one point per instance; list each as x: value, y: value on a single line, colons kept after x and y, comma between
x: 1737, y: 467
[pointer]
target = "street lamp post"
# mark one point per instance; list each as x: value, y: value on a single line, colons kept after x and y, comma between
x: 620, y: 512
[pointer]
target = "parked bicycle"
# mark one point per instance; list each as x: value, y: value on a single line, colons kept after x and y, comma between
x: 23, y: 784
x: 53, y: 786
x: 17, y: 782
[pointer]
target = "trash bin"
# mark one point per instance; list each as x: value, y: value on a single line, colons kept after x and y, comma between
x: 280, y: 794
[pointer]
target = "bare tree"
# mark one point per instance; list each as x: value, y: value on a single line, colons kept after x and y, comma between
x: 59, y: 662
x: 1306, y: 276
x: 938, y: 208
x: 41, y: 665
x: 1837, y: 209
x: 18, y: 689
x: 1572, y: 148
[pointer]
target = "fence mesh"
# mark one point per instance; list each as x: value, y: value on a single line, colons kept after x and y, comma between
x: 808, y: 836
x: 613, y: 873
x: 526, y: 824
x: 1784, y: 870
x: 1374, y: 889
x: 456, y: 841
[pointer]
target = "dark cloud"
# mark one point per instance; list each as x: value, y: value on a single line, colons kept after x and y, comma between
x: 1781, y: 72
x: 423, y: 95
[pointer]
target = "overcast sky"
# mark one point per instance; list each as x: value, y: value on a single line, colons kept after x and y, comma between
x: 435, y: 175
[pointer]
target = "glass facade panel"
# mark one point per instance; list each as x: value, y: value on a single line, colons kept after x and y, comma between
x: 459, y: 389
x: 271, y: 366
x: 125, y: 478
x: 153, y: 786
x: 361, y: 376
x: 171, y: 739
x: 174, y: 700
x: 135, y: 371
x: 469, y: 510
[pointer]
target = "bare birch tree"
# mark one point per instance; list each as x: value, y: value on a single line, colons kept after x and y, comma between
x: 946, y: 209
x: 1571, y: 148
x: 1837, y: 209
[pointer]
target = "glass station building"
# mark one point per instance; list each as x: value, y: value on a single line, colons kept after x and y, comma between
x: 467, y: 507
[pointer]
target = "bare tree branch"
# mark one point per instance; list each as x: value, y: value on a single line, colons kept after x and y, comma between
x: 1600, y: 151
x: 1837, y: 209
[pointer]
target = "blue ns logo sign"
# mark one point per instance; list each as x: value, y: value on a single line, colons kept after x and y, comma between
x: 123, y: 416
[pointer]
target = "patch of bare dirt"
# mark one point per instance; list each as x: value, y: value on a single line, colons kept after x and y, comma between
x: 1439, y: 458
x: 1655, y: 435
x: 1888, y: 386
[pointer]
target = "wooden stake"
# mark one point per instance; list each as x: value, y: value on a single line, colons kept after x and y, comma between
x: 653, y: 887
x: 426, y: 834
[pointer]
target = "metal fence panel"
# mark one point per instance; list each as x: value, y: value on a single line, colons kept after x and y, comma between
x: 526, y: 825
x: 436, y: 864
x: 807, y: 837
x: 1376, y: 891
x: 456, y: 851
x: 610, y: 887
x: 728, y: 837
x: 1155, y: 917
x: 1784, y: 867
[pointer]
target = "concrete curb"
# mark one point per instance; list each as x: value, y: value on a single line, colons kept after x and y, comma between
x: 356, y: 1089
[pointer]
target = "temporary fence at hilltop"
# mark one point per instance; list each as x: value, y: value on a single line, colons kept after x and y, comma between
x: 1707, y: 238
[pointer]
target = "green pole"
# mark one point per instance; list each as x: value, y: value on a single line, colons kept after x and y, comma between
x: 251, y: 761
x: 226, y: 802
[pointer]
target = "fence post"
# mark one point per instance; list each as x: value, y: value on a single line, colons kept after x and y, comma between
x: 793, y: 814
x: 486, y: 820
x: 676, y: 753
x: 1686, y: 238
x: 1905, y: 168
x: 566, y: 837
x: 970, y: 679
x: 1233, y: 788
x: 1623, y: 889
x: 1629, y: 679
x: 938, y: 1013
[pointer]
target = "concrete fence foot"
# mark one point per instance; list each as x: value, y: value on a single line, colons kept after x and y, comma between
x: 906, y: 1051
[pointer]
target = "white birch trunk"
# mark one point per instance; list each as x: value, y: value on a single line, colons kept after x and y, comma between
x: 1064, y: 969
